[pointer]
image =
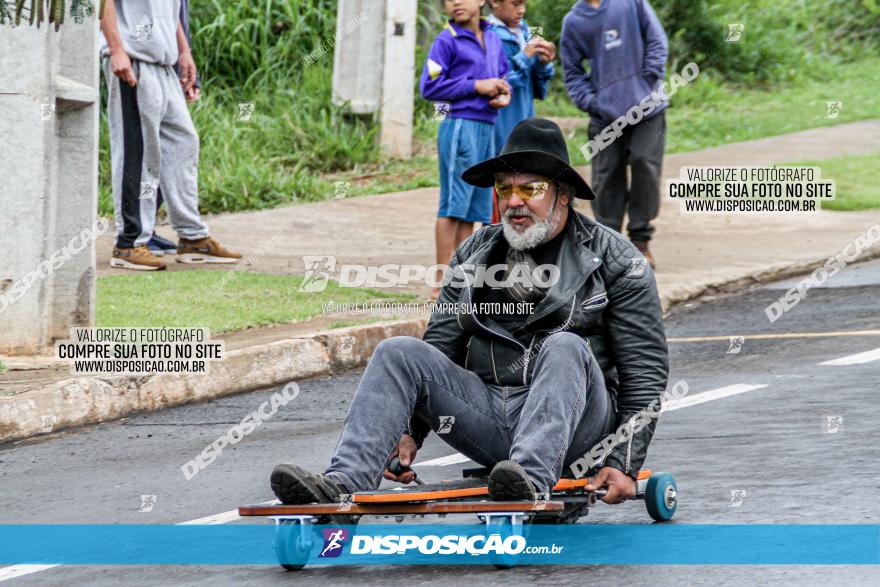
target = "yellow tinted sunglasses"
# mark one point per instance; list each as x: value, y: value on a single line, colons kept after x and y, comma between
x: 534, y: 190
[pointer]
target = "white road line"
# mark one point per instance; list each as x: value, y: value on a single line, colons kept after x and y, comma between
x: 693, y: 400
x: 858, y: 359
x: 776, y: 336
x: 221, y: 518
x: 457, y: 458
x: 711, y: 395
x: 452, y: 459
x: 15, y: 571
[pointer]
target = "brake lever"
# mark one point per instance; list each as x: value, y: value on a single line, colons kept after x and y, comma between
x: 398, y: 469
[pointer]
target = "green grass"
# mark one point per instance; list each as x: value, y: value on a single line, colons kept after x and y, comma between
x: 298, y: 144
x: 252, y: 52
x: 260, y: 164
x: 392, y: 176
x: 854, y: 179
x: 708, y: 113
x: 200, y: 299
x: 2, y: 366
x: 277, y: 156
x: 710, y: 116
x: 782, y: 40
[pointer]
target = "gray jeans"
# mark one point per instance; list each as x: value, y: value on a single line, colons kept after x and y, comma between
x: 543, y: 427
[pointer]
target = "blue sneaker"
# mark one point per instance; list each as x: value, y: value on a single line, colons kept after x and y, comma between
x: 159, y: 246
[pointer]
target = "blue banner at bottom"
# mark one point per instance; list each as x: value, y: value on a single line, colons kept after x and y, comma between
x: 582, y: 544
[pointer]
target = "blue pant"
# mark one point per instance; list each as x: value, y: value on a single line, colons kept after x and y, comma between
x: 462, y: 143
x: 544, y: 427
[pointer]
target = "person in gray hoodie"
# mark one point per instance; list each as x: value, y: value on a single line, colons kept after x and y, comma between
x: 626, y: 49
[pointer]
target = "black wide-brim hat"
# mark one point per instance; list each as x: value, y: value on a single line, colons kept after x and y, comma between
x: 535, y: 145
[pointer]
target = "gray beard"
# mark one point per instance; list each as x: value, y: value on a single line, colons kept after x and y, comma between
x: 534, y: 235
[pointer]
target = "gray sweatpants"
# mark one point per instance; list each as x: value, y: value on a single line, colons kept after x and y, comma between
x: 153, y: 146
x: 543, y: 427
x: 641, y: 148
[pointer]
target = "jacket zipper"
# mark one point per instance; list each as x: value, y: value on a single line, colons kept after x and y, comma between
x: 528, y: 356
x: 629, y: 447
x: 490, y: 331
x: 586, y: 303
x: 549, y: 309
x: 567, y: 322
x: 571, y: 312
x: 492, y: 357
x: 529, y: 351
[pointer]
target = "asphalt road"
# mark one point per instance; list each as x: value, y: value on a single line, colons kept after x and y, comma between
x: 800, y: 446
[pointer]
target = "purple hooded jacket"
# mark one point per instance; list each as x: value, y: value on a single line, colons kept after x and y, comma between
x: 457, y: 60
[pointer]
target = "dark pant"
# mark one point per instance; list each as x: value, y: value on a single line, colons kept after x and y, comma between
x: 641, y: 148
x: 543, y: 427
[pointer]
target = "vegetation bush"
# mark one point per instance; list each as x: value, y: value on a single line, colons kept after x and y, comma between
x: 252, y: 52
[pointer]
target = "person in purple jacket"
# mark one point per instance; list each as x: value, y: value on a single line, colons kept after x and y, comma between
x: 626, y: 48
x: 464, y: 73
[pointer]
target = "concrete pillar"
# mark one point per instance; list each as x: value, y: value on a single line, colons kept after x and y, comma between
x: 396, y: 116
x: 373, y: 66
x: 49, y: 112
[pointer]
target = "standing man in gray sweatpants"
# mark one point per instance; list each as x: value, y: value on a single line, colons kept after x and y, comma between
x: 153, y: 142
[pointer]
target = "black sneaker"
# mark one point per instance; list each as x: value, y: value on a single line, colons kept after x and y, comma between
x: 293, y: 485
x: 509, y: 482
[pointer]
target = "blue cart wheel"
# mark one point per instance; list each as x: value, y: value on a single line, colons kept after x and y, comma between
x: 661, y: 496
x: 292, y: 545
x: 505, y: 526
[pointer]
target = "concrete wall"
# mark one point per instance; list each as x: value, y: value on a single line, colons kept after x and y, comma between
x: 49, y: 101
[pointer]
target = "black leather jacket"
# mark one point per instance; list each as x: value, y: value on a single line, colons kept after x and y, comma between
x: 602, y: 295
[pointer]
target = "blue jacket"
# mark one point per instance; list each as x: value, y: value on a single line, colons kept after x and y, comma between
x: 528, y: 78
x: 184, y: 20
x: 457, y: 60
x: 626, y: 47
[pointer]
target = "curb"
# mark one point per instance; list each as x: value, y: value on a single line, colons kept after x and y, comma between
x: 729, y: 285
x: 89, y: 400
x: 83, y: 400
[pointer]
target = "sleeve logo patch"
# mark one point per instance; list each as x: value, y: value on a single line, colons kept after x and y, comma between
x: 434, y: 69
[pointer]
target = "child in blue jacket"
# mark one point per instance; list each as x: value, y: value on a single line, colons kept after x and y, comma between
x: 531, y: 65
x: 465, y: 70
